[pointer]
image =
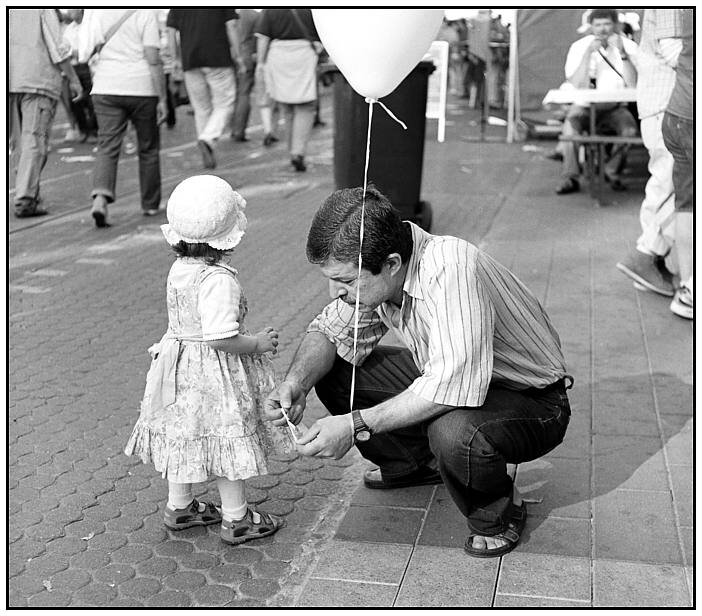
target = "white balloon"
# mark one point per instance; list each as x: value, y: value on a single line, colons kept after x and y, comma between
x: 375, y: 49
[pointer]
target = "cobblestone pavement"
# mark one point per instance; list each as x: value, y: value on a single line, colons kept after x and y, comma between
x: 85, y: 521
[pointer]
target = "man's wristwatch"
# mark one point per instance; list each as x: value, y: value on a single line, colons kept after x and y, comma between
x: 361, y: 432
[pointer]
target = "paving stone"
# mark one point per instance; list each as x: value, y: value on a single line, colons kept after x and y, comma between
x: 26, y: 585
x: 126, y: 603
x: 331, y: 473
x: 380, y: 525
x: 651, y: 513
x: 630, y: 462
x: 271, y: 569
x: 66, y: 546
x: 55, y: 598
x: 139, y: 509
x: 312, y: 503
x: 131, y: 554
x: 199, y: 560
x: 79, y: 500
x: 278, y: 507
x: 45, y: 531
x: 541, y: 575
x: 516, y: 601
x: 173, y: 548
x: 321, y: 487
x: 85, y: 528
x: 284, y: 552
x: 286, y: 492
x: 229, y: 574
x: 98, y: 595
x: 638, y: 585
x: 101, y: 513
x: 90, y: 560
x: 185, y: 580
x: 242, y: 556
x: 259, y: 589
x: 108, y: 541
x: 63, y: 515
x: 277, y: 468
x: 307, y: 464
x: 245, y: 602
x: 157, y: 567
x: 140, y: 588
x: 125, y: 524
x: 169, y: 599
x: 333, y: 593
x: 682, y: 480
x: 70, y: 580
x: 149, y: 536
x: 297, y: 477
x: 363, y: 562
x: 46, y: 565
x: 213, y: 596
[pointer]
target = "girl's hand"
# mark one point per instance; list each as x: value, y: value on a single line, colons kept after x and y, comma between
x: 267, y: 340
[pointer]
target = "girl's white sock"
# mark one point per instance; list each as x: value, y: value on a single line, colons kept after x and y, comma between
x: 180, y: 495
x: 233, y: 495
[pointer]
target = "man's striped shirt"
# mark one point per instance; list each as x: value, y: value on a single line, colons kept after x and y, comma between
x: 466, y: 319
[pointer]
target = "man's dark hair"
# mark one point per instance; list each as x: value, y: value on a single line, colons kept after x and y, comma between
x: 336, y: 228
x: 200, y: 251
x: 604, y: 14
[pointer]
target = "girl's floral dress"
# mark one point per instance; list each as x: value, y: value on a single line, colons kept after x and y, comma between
x: 202, y: 412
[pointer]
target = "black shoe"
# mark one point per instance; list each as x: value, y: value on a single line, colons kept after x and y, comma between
x: 299, y: 163
x: 269, y: 140
x: 319, y: 122
x: 555, y: 156
x: 569, y: 186
x: 208, y: 158
x: 29, y: 211
x: 241, y: 139
x: 424, y: 476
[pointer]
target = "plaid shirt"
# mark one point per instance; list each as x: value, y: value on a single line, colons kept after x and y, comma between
x: 467, y: 321
x: 656, y: 77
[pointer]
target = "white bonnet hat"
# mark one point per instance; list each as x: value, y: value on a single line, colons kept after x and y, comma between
x: 205, y: 210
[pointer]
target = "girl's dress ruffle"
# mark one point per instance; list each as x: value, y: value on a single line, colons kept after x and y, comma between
x: 195, y: 460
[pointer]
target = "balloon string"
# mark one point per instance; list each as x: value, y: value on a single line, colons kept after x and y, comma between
x: 390, y: 113
x: 360, y: 250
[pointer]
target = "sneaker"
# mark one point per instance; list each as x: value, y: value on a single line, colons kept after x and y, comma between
x: 682, y: 303
x: 129, y: 146
x: 646, y: 270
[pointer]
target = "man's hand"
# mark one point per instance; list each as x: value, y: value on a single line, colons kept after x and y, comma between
x: 289, y: 396
x: 595, y: 44
x: 76, y: 89
x: 329, y: 437
x: 161, y: 111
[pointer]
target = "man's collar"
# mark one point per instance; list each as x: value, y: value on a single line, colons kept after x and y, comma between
x: 420, y: 239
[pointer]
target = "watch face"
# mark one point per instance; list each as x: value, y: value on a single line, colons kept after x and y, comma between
x: 363, y: 436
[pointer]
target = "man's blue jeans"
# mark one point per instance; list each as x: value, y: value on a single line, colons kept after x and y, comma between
x: 677, y: 135
x: 472, y: 445
x: 113, y: 112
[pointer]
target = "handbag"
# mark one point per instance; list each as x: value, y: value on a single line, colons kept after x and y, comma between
x: 322, y: 56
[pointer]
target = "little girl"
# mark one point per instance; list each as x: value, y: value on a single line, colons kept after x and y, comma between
x: 202, y: 411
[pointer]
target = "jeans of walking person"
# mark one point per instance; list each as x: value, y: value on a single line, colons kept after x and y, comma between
x: 113, y: 113
x: 657, y: 213
x: 299, y: 120
x: 677, y: 134
x: 617, y: 121
x: 31, y: 116
x: 211, y: 92
x: 242, y: 105
x: 471, y: 445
